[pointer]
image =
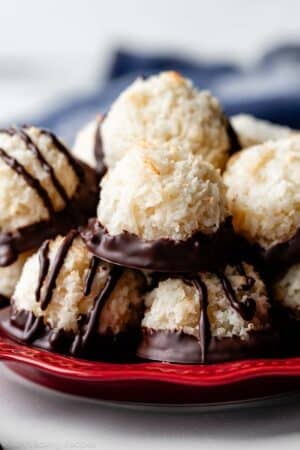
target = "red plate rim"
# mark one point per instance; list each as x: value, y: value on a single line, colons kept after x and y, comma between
x: 193, y: 375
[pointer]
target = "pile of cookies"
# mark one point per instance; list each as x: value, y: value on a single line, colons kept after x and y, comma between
x: 187, y: 253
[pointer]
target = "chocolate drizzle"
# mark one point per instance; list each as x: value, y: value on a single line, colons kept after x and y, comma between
x: 44, y: 267
x: 29, y: 179
x: 246, y: 309
x: 204, y: 326
x: 83, y: 339
x: 57, y: 265
x: 32, y: 327
x: 28, y: 328
x: 81, y: 206
x: 94, y: 263
x: 98, y: 149
x: 31, y: 146
x: 62, y: 149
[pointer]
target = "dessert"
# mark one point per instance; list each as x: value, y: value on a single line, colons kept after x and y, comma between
x: 43, y: 190
x: 252, y: 131
x: 88, y: 146
x: 177, y: 263
x: 167, y: 108
x: 287, y: 291
x: 160, y: 210
x: 9, y: 276
x: 68, y: 301
x: 208, y: 317
x: 263, y: 197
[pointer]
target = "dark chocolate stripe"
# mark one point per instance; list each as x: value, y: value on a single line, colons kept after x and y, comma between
x: 63, y: 149
x: 4, y: 301
x: 32, y: 327
x: 94, y: 263
x: 29, y: 179
x: 235, y: 145
x: 44, y: 267
x: 45, y: 165
x: 204, y: 326
x: 246, y: 309
x: 56, y: 267
x: 82, y: 340
x: 98, y: 149
x: 249, y: 280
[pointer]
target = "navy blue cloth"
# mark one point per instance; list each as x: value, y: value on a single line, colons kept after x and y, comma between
x: 269, y: 89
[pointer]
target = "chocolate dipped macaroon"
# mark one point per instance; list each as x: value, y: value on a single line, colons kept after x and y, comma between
x: 263, y: 184
x: 70, y: 302
x: 286, y: 294
x: 43, y: 190
x: 161, y: 211
x: 208, y: 317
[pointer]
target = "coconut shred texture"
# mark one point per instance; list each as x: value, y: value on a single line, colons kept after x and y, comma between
x: 21, y: 204
x: 166, y: 108
x: 155, y: 192
x: 174, y: 305
x: 263, y: 191
x: 69, y: 300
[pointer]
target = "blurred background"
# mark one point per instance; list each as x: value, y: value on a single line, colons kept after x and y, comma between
x: 58, y: 57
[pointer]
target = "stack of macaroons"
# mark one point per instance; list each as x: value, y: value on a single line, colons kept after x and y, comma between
x: 163, y: 210
x: 263, y: 191
x: 44, y: 190
x: 168, y: 267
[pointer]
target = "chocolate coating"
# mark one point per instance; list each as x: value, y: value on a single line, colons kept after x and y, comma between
x: 178, y: 347
x: 235, y: 145
x: 119, y: 347
x: 4, y: 301
x: 98, y: 149
x: 76, y: 213
x: 280, y: 257
x: 199, y: 252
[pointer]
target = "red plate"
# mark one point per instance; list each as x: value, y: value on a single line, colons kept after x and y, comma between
x: 155, y: 383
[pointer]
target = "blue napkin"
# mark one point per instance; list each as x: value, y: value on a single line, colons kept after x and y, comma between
x: 269, y: 89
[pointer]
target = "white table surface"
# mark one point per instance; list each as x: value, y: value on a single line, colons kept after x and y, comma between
x: 35, y: 418
x: 54, y: 49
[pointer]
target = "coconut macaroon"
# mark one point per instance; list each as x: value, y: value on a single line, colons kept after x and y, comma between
x: 39, y: 181
x: 263, y: 192
x: 88, y: 145
x: 167, y: 108
x: 207, y: 317
x: 69, y: 301
x: 9, y: 276
x: 252, y: 131
x: 287, y: 291
x: 153, y: 203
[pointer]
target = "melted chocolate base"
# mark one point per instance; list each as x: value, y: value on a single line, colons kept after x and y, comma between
x: 280, y: 257
x: 199, y: 252
x: 178, y: 347
x: 119, y: 347
x: 235, y: 145
x: 4, y: 301
x: 78, y: 210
